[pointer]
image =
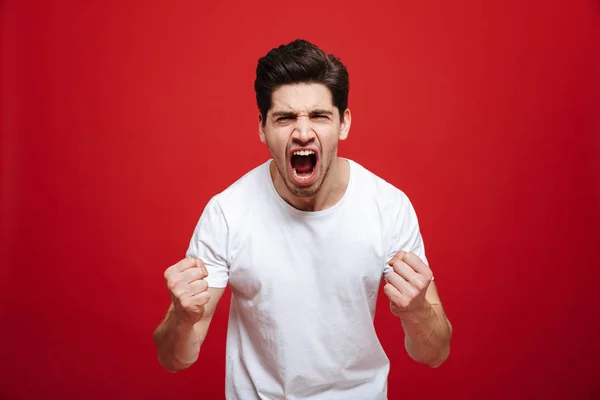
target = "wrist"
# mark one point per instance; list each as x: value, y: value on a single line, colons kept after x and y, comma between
x: 181, y: 320
x: 420, y: 313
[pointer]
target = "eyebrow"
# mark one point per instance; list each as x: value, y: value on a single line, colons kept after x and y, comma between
x: 318, y: 111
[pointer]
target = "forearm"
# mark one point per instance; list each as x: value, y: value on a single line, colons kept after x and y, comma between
x: 427, y: 334
x: 177, y: 342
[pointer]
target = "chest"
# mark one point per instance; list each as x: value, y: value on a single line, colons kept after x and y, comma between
x: 308, y: 261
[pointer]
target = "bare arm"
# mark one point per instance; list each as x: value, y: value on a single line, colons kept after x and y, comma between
x: 415, y: 300
x: 179, y: 336
x: 427, y: 331
x: 178, y: 341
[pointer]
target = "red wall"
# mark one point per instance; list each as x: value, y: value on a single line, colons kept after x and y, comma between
x: 121, y: 119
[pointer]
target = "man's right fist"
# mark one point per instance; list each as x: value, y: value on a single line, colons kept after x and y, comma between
x: 189, y: 290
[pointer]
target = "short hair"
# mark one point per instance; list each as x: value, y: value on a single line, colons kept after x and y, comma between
x: 300, y: 62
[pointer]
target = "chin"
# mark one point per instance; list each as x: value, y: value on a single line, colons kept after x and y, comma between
x: 303, y: 191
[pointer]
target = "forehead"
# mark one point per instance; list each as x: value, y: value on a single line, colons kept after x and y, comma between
x: 302, y: 97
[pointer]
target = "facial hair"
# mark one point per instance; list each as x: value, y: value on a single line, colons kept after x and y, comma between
x: 324, y: 165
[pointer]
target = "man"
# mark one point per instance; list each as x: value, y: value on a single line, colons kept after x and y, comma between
x: 304, y: 241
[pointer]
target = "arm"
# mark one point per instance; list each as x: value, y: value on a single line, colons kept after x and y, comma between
x: 178, y: 340
x: 415, y: 301
x: 427, y: 331
x: 179, y: 336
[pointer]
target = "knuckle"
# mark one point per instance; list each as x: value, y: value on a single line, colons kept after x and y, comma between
x: 394, y: 298
x: 419, y: 285
x: 185, y: 303
x: 178, y: 292
x: 388, y: 292
x: 172, y: 284
x: 198, y: 273
x: 168, y: 272
x: 205, y: 298
x: 183, y: 264
x: 203, y: 285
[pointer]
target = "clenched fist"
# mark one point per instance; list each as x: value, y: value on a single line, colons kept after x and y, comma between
x: 189, y: 290
x: 407, y: 284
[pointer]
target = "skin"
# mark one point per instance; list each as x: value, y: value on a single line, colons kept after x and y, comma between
x: 303, y: 116
x: 414, y: 299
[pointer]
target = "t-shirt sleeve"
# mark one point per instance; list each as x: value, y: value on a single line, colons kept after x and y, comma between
x: 209, y: 243
x: 405, y: 233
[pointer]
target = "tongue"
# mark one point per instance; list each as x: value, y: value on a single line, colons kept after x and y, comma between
x: 303, y: 165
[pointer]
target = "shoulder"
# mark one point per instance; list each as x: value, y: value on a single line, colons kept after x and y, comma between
x: 375, y: 187
x: 238, y: 198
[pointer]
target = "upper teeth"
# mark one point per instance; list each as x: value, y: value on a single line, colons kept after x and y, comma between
x: 303, y: 152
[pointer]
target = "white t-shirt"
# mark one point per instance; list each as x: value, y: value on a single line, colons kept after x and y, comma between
x: 304, y: 285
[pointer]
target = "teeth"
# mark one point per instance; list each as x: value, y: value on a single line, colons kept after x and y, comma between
x: 303, y: 152
x: 302, y: 177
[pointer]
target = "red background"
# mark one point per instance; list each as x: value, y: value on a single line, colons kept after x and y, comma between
x: 120, y: 119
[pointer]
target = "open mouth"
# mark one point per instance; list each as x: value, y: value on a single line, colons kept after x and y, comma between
x: 304, y: 165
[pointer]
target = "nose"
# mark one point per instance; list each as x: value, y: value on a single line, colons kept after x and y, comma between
x: 303, y: 131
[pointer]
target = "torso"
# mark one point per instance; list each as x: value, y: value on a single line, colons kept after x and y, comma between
x: 304, y: 288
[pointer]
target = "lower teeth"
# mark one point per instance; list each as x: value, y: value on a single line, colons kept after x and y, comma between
x: 302, y: 176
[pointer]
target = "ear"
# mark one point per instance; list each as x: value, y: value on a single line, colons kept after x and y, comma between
x: 261, y: 129
x: 345, y: 125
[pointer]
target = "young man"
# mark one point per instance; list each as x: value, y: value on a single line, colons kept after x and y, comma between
x: 304, y: 241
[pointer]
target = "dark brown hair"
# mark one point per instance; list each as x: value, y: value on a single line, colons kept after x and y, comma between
x: 300, y: 62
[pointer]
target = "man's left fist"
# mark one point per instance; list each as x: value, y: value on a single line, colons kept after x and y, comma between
x: 407, y: 283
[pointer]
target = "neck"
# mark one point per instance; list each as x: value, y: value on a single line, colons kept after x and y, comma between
x: 331, y: 192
